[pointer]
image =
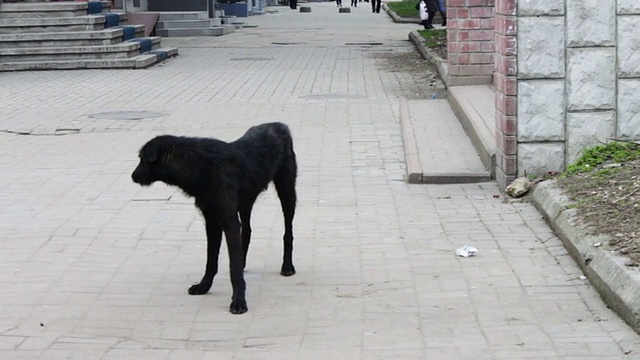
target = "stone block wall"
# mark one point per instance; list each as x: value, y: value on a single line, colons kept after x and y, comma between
x: 578, y: 73
x: 470, y: 35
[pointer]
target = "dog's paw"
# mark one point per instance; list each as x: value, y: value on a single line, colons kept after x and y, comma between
x: 199, y: 289
x: 287, y: 270
x: 238, y: 307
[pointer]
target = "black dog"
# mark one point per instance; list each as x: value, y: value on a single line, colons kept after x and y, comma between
x: 225, y: 179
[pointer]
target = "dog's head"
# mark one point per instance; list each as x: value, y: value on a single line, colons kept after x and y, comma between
x: 149, y: 169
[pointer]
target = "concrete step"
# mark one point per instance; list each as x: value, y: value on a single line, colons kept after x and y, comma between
x: 136, y: 62
x: 183, y: 24
x: 181, y: 15
x: 437, y: 149
x: 70, y: 38
x: 475, y: 108
x: 123, y: 50
x: 229, y: 19
x: 210, y: 31
x: 221, y: 30
x: 77, y: 23
x: 51, y: 9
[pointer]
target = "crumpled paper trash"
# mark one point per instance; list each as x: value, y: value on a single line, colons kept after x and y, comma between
x: 466, y: 251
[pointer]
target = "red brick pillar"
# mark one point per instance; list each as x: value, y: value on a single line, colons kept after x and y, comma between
x: 470, y: 35
x: 505, y: 83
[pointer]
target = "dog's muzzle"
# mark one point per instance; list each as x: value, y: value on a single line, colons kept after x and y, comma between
x: 139, y: 178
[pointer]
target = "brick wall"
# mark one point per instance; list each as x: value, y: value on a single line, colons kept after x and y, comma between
x: 505, y: 83
x: 470, y: 33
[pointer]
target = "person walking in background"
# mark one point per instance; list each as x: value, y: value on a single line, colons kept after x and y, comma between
x: 375, y: 6
x: 443, y: 11
x: 339, y: 3
x: 432, y: 9
x: 354, y: 3
x: 424, y: 14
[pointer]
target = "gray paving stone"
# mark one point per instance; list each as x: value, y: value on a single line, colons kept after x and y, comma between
x: 104, y: 265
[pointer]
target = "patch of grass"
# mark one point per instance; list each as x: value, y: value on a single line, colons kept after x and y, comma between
x: 615, y: 152
x: 434, y: 37
x: 605, y: 187
x: 406, y: 8
x: 576, y: 204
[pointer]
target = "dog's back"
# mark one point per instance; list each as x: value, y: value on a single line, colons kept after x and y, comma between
x: 267, y: 151
x: 270, y: 134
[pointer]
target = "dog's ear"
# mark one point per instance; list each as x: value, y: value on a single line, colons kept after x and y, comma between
x: 151, y: 152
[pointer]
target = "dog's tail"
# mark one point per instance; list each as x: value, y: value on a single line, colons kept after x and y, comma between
x: 284, y: 133
x: 289, y: 166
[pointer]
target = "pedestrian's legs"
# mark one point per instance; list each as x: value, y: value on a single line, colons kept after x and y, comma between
x: 444, y: 17
x: 430, y: 20
x: 375, y: 6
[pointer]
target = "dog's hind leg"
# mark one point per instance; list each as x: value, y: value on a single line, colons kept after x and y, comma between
x: 231, y: 227
x: 245, y: 218
x: 285, y: 183
x: 214, y: 238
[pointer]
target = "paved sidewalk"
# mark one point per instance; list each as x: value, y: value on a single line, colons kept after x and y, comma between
x: 94, y: 267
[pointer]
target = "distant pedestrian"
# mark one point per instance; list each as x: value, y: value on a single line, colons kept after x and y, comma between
x: 375, y: 6
x: 424, y: 14
x: 443, y: 11
x: 339, y: 3
x: 354, y: 3
x: 432, y: 8
x: 293, y: 4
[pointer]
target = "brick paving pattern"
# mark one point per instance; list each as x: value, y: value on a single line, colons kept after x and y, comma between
x: 94, y: 267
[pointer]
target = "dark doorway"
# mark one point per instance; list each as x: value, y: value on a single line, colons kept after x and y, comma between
x: 177, y: 5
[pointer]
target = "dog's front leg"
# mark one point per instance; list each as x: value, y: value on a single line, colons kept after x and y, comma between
x: 214, y: 238
x: 231, y: 229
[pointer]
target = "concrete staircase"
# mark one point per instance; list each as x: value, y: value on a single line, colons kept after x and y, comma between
x: 193, y: 23
x: 73, y: 35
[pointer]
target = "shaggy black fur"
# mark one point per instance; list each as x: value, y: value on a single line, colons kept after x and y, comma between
x: 225, y: 179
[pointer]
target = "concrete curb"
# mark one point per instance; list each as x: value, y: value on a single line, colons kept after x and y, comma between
x: 618, y: 285
x: 412, y: 156
x: 431, y: 56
